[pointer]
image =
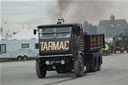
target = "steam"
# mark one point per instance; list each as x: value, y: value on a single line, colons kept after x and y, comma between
x: 58, y: 9
x: 63, y: 6
x: 80, y: 10
x: 91, y: 11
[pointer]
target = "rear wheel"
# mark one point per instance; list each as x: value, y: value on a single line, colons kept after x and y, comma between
x: 94, y: 65
x: 19, y: 58
x: 79, y: 66
x: 39, y: 70
x: 25, y: 57
x: 88, y: 67
x: 99, y: 63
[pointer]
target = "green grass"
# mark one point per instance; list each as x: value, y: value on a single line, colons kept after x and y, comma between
x: 10, y: 60
x: 5, y: 60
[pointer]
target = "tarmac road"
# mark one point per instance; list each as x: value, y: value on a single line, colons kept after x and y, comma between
x: 114, y: 72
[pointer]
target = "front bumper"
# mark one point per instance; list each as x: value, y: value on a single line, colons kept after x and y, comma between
x: 58, y: 62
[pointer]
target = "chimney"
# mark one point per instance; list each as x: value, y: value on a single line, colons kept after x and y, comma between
x: 60, y: 21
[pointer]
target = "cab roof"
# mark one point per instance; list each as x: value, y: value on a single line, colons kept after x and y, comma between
x: 58, y: 25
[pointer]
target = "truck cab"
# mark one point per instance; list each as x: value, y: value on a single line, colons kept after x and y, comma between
x: 57, y: 39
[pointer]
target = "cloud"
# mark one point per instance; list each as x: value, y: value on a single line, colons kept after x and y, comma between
x: 28, y: 13
x: 24, y: 12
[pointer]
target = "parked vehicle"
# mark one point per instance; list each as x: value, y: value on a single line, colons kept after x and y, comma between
x: 120, y: 43
x: 19, y: 49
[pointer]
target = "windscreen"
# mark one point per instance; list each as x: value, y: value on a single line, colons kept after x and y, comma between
x: 59, y: 32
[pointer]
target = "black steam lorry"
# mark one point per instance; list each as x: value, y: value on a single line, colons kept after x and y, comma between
x: 65, y: 47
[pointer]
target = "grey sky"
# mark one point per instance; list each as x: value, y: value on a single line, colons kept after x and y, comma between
x: 24, y: 12
x: 30, y: 13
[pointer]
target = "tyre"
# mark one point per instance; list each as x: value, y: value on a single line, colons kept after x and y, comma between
x: 40, y: 72
x: 25, y: 58
x: 19, y: 58
x: 121, y: 51
x: 94, y: 65
x: 88, y: 68
x: 99, y: 67
x: 99, y: 63
x: 79, y: 66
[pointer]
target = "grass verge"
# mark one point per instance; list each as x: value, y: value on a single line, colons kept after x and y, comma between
x: 5, y: 60
x: 12, y: 60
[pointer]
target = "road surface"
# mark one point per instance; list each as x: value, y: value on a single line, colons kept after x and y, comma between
x: 114, y: 72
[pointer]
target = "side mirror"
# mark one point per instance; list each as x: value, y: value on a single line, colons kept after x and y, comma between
x: 34, y: 31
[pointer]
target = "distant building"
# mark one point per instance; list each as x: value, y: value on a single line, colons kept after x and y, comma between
x: 112, y: 27
x: 91, y: 29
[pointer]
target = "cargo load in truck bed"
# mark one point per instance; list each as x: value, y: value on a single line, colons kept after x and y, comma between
x: 93, y: 42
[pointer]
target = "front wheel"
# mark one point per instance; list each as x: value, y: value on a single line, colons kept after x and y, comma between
x: 79, y: 66
x: 39, y: 70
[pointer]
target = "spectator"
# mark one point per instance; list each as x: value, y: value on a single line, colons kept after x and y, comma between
x: 105, y: 50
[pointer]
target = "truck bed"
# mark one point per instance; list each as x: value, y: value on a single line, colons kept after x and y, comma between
x: 93, y: 42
